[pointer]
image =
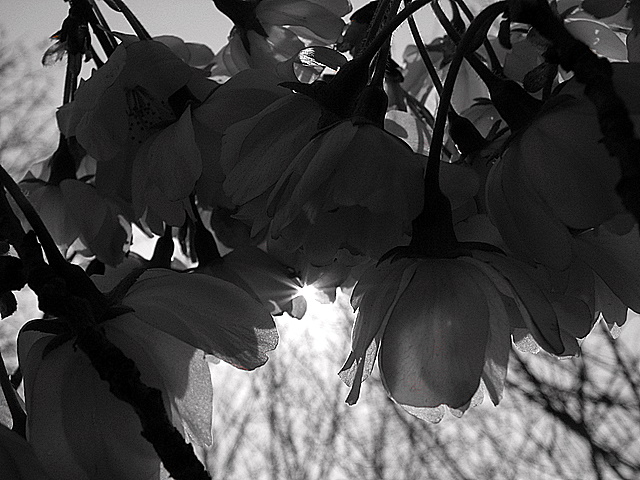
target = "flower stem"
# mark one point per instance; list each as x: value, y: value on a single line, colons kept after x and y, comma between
x: 476, y: 27
x: 18, y: 415
x: 480, y: 68
x: 101, y: 30
x: 424, y: 54
x: 513, y: 103
x: 433, y: 228
x: 390, y: 27
x: 374, y: 25
x: 141, y: 32
x: 496, y: 66
x: 46, y: 240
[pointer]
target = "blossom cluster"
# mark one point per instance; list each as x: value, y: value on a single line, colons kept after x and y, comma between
x: 315, y: 167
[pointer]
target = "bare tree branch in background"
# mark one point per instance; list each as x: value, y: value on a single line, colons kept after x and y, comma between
x: 28, y: 131
x: 572, y: 419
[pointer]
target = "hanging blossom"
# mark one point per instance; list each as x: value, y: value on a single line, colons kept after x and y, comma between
x: 240, y: 98
x: 267, y: 32
x: 196, y: 55
x: 353, y: 187
x: 79, y: 430
x: 133, y: 117
x: 440, y: 329
x: 575, y: 295
x: 256, y: 153
x: 554, y: 201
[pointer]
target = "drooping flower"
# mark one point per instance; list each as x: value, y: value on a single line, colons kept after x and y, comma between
x: 79, y: 430
x: 164, y: 174
x: 196, y: 55
x: 440, y: 328
x: 270, y: 31
x: 48, y: 201
x: 256, y: 152
x: 130, y: 115
x: 353, y: 187
x: 240, y: 98
x: 557, y: 177
x: 552, y: 196
x: 123, y: 102
x: 102, y: 222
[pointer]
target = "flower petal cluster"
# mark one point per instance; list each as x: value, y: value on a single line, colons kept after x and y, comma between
x: 241, y: 98
x: 81, y: 431
x: 552, y: 196
x: 132, y: 117
x: 440, y: 328
x: 256, y: 152
x: 78, y: 217
x: 353, y: 187
x: 124, y: 101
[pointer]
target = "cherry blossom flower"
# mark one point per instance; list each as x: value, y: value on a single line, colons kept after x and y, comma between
x: 555, y: 205
x: 440, y: 328
x: 354, y: 186
x: 557, y: 179
x: 79, y: 430
x: 123, y: 102
x: 132, y: 117
x: 240, y: 98
x: 103, y: 226
x: 255, y: 154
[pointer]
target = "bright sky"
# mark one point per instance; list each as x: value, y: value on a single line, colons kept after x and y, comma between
x: 192, y: 20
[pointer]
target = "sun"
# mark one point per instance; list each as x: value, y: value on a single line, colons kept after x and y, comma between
x: 310, y: 293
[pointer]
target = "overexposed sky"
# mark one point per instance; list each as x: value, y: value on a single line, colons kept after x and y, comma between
x: 194, y: 20
x: 32, y: 21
